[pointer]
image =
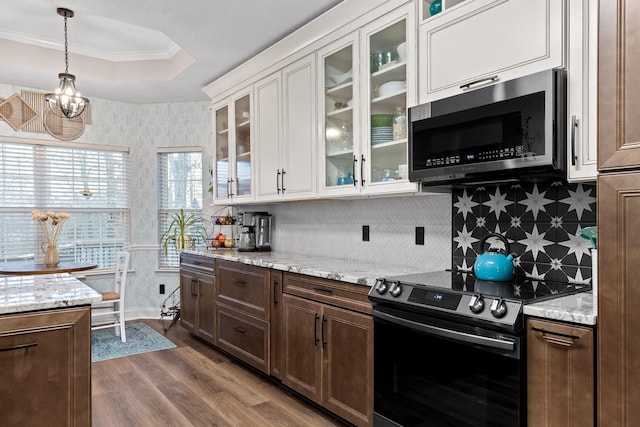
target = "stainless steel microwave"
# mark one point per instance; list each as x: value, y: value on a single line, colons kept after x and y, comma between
x: 512, y: 130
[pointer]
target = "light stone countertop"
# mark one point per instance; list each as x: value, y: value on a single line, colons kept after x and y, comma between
x: 578, y: 308
x: 344, y: 270
x: 45, y: 291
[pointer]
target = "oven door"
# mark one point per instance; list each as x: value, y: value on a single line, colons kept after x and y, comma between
x: 434, y: 372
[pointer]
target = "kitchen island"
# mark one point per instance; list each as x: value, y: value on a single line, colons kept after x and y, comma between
x: 45, y: 350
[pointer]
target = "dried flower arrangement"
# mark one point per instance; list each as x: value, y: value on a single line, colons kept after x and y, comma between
x: 51, y: 224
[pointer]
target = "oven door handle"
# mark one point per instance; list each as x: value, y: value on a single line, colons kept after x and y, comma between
x: 446, y: 333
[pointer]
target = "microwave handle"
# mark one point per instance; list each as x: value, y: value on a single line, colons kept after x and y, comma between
x: 491, y: 79
x: 574, y: 128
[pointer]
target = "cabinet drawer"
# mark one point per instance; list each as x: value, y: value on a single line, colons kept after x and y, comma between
x: 243, y: 336
x: 244, y: 287
x: 199, y: 263
x: 341, y: 294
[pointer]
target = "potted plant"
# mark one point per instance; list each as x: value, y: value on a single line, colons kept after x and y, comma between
x: 184, y: 230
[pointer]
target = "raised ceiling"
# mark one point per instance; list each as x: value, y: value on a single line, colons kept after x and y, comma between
x: 141, y: 51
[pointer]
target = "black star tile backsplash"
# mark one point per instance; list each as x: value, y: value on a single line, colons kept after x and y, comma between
x: 541, y: 221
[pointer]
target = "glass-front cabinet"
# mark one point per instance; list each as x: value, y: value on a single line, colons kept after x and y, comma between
x: 339, y: 77
x: 369, y: 80
x: 232, y: 165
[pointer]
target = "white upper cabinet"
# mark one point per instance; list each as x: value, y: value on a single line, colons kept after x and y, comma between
x: 232, y: 166
x: 368, y: 77
x: 480, y: 42
x: 582, y: 80
x: 286, y: 133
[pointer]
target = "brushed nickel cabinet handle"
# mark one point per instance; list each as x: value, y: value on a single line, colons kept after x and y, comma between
x: 282, y: 181
x: 558, y: 338
x: 355, y: 160
x: 324, y: 322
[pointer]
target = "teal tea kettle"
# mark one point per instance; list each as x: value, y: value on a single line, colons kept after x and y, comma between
x: 495, y: 264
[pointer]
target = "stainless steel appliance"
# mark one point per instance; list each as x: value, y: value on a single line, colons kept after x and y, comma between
x: 247, y: 239
x: 255, y: 232
x: 449, y: 350
x: 511, y: 130
x: 263, y: 232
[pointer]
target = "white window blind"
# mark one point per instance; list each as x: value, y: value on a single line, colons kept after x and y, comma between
x: 89, y: 184
x: 179, y: 187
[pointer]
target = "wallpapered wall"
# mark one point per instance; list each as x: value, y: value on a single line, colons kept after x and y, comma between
x: 142, y: 128
x: 542, y: 222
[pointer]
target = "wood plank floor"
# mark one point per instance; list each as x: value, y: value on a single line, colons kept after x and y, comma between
x: 192, y: 385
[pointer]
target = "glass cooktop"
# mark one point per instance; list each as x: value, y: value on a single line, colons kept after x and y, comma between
x: 525, y: 289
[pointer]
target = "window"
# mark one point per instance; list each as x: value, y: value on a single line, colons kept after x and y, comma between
x: 179, y: 188
x: 88, y: 182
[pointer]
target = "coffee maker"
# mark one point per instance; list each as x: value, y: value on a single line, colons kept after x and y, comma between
x: 255, y: 234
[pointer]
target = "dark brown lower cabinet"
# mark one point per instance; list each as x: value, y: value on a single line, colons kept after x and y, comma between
x: 197, y: 296
x: 328, y: 350
x: 560, y: 374
x: 45, y: 379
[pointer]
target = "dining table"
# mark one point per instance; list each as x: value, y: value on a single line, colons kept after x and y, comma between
x: 29, y: 267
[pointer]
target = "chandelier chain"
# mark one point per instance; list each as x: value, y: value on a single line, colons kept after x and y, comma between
x: 66, y: 47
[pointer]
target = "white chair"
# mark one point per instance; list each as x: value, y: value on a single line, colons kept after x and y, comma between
x: 110, y: 311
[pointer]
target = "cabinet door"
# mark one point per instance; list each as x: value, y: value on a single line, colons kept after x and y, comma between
x: 302, y: 367
x: 560, y: 374
x: 347, y: 342
x: 338, y: 75
x: 388, y: 64
x: 242, y: 183
x: 276, y: 324
x: 45, y: 378
x: 205, y: 324
x: 484, y: 40
x: 582, y: 81
x: 268, y: 116
x: 222, y: 166
x: 188, y: 300
x: 618, y: 298
x: 618, y: 90
x: 299, y: 143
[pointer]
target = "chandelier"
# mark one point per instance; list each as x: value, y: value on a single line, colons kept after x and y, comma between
x: 66, y: 101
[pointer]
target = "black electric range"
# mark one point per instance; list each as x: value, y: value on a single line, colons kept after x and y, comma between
x: 458, y: 295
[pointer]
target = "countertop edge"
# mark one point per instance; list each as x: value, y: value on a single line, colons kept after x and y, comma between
x: 581, y: 308
x: 26, y: 293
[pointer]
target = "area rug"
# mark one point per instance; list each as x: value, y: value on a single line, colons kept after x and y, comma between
x: 141, y: 338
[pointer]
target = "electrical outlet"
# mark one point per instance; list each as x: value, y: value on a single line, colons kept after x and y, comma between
x: 365, y: 233
x: 161, y: 288
x: 419, y: 235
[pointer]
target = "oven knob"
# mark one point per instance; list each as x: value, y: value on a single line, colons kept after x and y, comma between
x: 381, y: 286
x: 396, y: 290
x: 476, y: 305
x: 499, y: 308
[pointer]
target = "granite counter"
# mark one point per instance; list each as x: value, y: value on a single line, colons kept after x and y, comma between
x: 578, y: 308
x: 581, y: 308
x: 40, y: 292
x: 344, y: 270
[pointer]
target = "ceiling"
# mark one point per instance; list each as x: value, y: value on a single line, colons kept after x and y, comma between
x: 141, y: 51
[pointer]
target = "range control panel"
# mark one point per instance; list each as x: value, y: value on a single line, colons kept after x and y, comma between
x: 431, y: 301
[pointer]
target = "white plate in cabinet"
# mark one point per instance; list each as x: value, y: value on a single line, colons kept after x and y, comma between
x: 485, y: 41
